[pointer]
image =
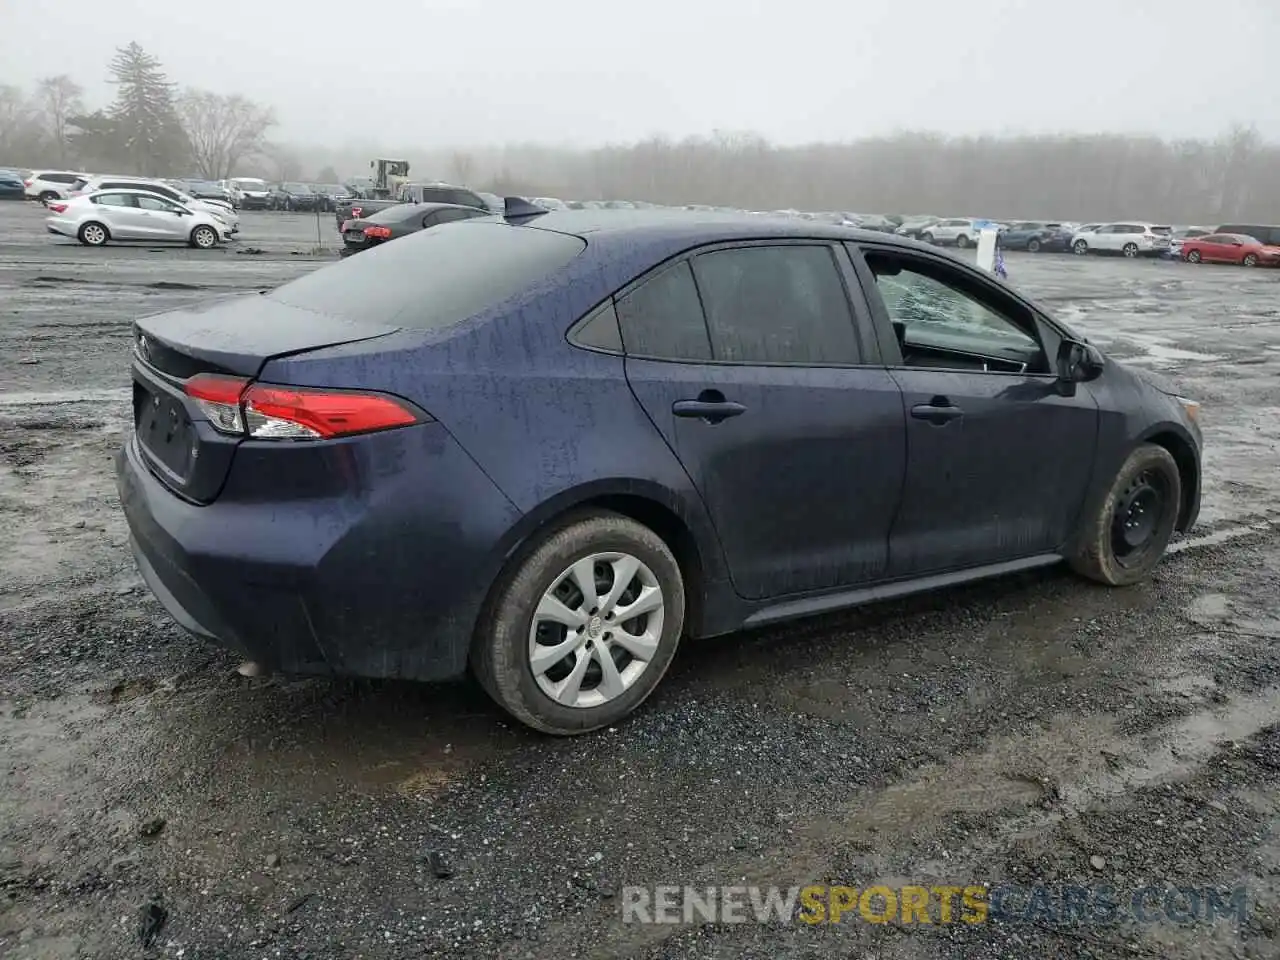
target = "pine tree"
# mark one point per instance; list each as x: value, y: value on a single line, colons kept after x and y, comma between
x: 147, y: 128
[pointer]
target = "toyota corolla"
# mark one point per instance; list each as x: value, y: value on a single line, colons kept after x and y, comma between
x: 546, y: 447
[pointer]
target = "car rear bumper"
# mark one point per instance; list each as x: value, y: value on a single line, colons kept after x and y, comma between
x: 375, y: 566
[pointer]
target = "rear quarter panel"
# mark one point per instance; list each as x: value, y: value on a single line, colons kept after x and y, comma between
x: 551, y: 424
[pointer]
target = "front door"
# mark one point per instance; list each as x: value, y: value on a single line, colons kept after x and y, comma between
x: 998, y: 460
x: 796, y: 450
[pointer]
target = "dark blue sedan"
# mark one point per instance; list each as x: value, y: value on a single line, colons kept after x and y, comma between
x: 547, y: 446
x: 1037, y: 236
x: 11, y: 185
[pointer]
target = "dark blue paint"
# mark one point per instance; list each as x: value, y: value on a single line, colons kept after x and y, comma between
x: 373, y: 555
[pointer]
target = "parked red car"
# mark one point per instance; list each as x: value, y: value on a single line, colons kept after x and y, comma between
x: 1230, y: 248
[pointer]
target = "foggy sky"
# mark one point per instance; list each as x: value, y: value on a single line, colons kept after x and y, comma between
x: 469, y: 72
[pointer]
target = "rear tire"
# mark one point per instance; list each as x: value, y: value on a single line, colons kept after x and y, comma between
x: 1080, y: 248
x: 542, y: 574
x: 204, y: 238
x: 962, y: 241
x: 1250, y: 260
x: 93, y: 234
x: 1127, y: 536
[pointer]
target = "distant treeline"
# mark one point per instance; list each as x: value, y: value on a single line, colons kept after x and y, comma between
x: 1082, y: 177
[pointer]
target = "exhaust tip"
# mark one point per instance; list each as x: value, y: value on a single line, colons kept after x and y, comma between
x: 251, y: 668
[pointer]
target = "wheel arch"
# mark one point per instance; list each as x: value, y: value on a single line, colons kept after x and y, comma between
x: 685, y: 529
x: 1183, y: 451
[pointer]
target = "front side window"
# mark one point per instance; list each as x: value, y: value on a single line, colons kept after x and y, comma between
x: 784, y: 304
x: 662, y: 317
x: 945, y: 319
x: 155, y: 203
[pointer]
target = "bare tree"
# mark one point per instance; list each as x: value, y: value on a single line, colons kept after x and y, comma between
x: 61, y: 98
x: 20, y: 134
x: 283, y: 161
x: 463, y: 167
x: 223, y: 130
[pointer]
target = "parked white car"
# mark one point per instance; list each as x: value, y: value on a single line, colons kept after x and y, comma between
x: 219, y: 208
x: 961, y: 232
x: 1128, y: 238
x: 102, y: 216
x: 49, y: 184
x: 255, y: 194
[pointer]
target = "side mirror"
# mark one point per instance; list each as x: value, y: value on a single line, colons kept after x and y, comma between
x: 1078, y: 362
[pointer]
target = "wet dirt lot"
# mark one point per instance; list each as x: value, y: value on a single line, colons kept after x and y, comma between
x: 1039, y: 730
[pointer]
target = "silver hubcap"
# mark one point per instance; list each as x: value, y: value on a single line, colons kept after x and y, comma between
x: 596, y: 630
x: 204, y: 238
x: 94, y: 234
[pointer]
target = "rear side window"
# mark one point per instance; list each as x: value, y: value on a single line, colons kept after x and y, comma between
x: 662, y: 318
x: 114, y: 200
x: 784, y: 304
x: 434, y: 278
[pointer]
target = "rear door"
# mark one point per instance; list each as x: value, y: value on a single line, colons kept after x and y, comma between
x: 121, y: 214
x: 998, y: 460
x: 751, y: 362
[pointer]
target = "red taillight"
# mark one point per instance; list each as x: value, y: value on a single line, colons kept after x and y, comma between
x: 58, y: 207
x: 267, y: 412
x: 27, y: 183
x: 379, y: 233
x: 356, y: 211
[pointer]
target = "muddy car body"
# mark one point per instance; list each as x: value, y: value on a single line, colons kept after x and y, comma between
x: 548, y: 446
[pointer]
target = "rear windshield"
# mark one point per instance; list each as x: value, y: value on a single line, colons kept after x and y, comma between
x: 1161, y: 231
x: 434, y: 278
x: 399, y: 213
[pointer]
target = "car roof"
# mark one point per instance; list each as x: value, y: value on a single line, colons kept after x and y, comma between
x: 409, y: 209
x: 696, y: 226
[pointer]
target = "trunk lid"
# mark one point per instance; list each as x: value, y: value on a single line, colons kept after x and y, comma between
x: 238, y: 335
x: 234, y: 337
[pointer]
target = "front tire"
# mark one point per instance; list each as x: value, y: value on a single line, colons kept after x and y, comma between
x: 962, y: 242
x: 1130, y: 250
x: 1193, y: 256
x: 582, y: 625
x: 1033, y: 245
x: 927, y: 237
x: 93, y: 234
x: 1125, y: 539
x: 48, y: 195
x: 1080, y: 248
x: 204, y: 238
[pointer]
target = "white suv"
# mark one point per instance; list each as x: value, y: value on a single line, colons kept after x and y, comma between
x: 1128, y: 238
x: 219, y: 208
x: 962, y: 233
x: 46, y: 185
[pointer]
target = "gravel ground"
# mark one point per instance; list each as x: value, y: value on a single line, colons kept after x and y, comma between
x: 1039, y: 730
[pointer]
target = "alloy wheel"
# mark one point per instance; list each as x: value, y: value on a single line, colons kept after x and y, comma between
x: 596, y: 629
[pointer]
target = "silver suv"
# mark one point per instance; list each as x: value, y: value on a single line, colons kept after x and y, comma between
x: 1128, y: 238
x: 963, y: 233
